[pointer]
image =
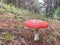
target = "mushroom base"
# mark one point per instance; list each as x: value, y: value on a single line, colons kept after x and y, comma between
x: 36, y: 36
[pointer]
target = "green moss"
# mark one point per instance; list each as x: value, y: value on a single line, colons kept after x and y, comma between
x: 6, y: 35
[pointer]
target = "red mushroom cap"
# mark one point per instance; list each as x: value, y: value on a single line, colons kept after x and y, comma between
x: 35, y: 24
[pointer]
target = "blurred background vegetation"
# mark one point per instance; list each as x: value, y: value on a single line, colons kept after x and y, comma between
x: 49, y: 9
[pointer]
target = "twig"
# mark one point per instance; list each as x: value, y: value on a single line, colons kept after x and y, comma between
x: 23, y: 41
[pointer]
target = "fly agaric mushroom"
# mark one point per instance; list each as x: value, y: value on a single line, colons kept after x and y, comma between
x: 37, y: 24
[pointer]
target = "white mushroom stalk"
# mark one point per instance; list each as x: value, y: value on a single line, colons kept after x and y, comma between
x: 36, y: 35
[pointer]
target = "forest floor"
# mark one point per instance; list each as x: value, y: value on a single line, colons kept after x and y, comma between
x: 11, y: 25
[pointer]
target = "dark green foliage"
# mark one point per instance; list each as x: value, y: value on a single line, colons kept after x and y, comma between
x: 32, y: 5
x: 50, y: 14
x: 57, y: 12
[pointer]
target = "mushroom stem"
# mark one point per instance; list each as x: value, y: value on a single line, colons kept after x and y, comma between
x: 36, y: 35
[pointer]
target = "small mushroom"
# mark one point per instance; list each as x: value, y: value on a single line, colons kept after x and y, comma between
x: 36, y: 24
